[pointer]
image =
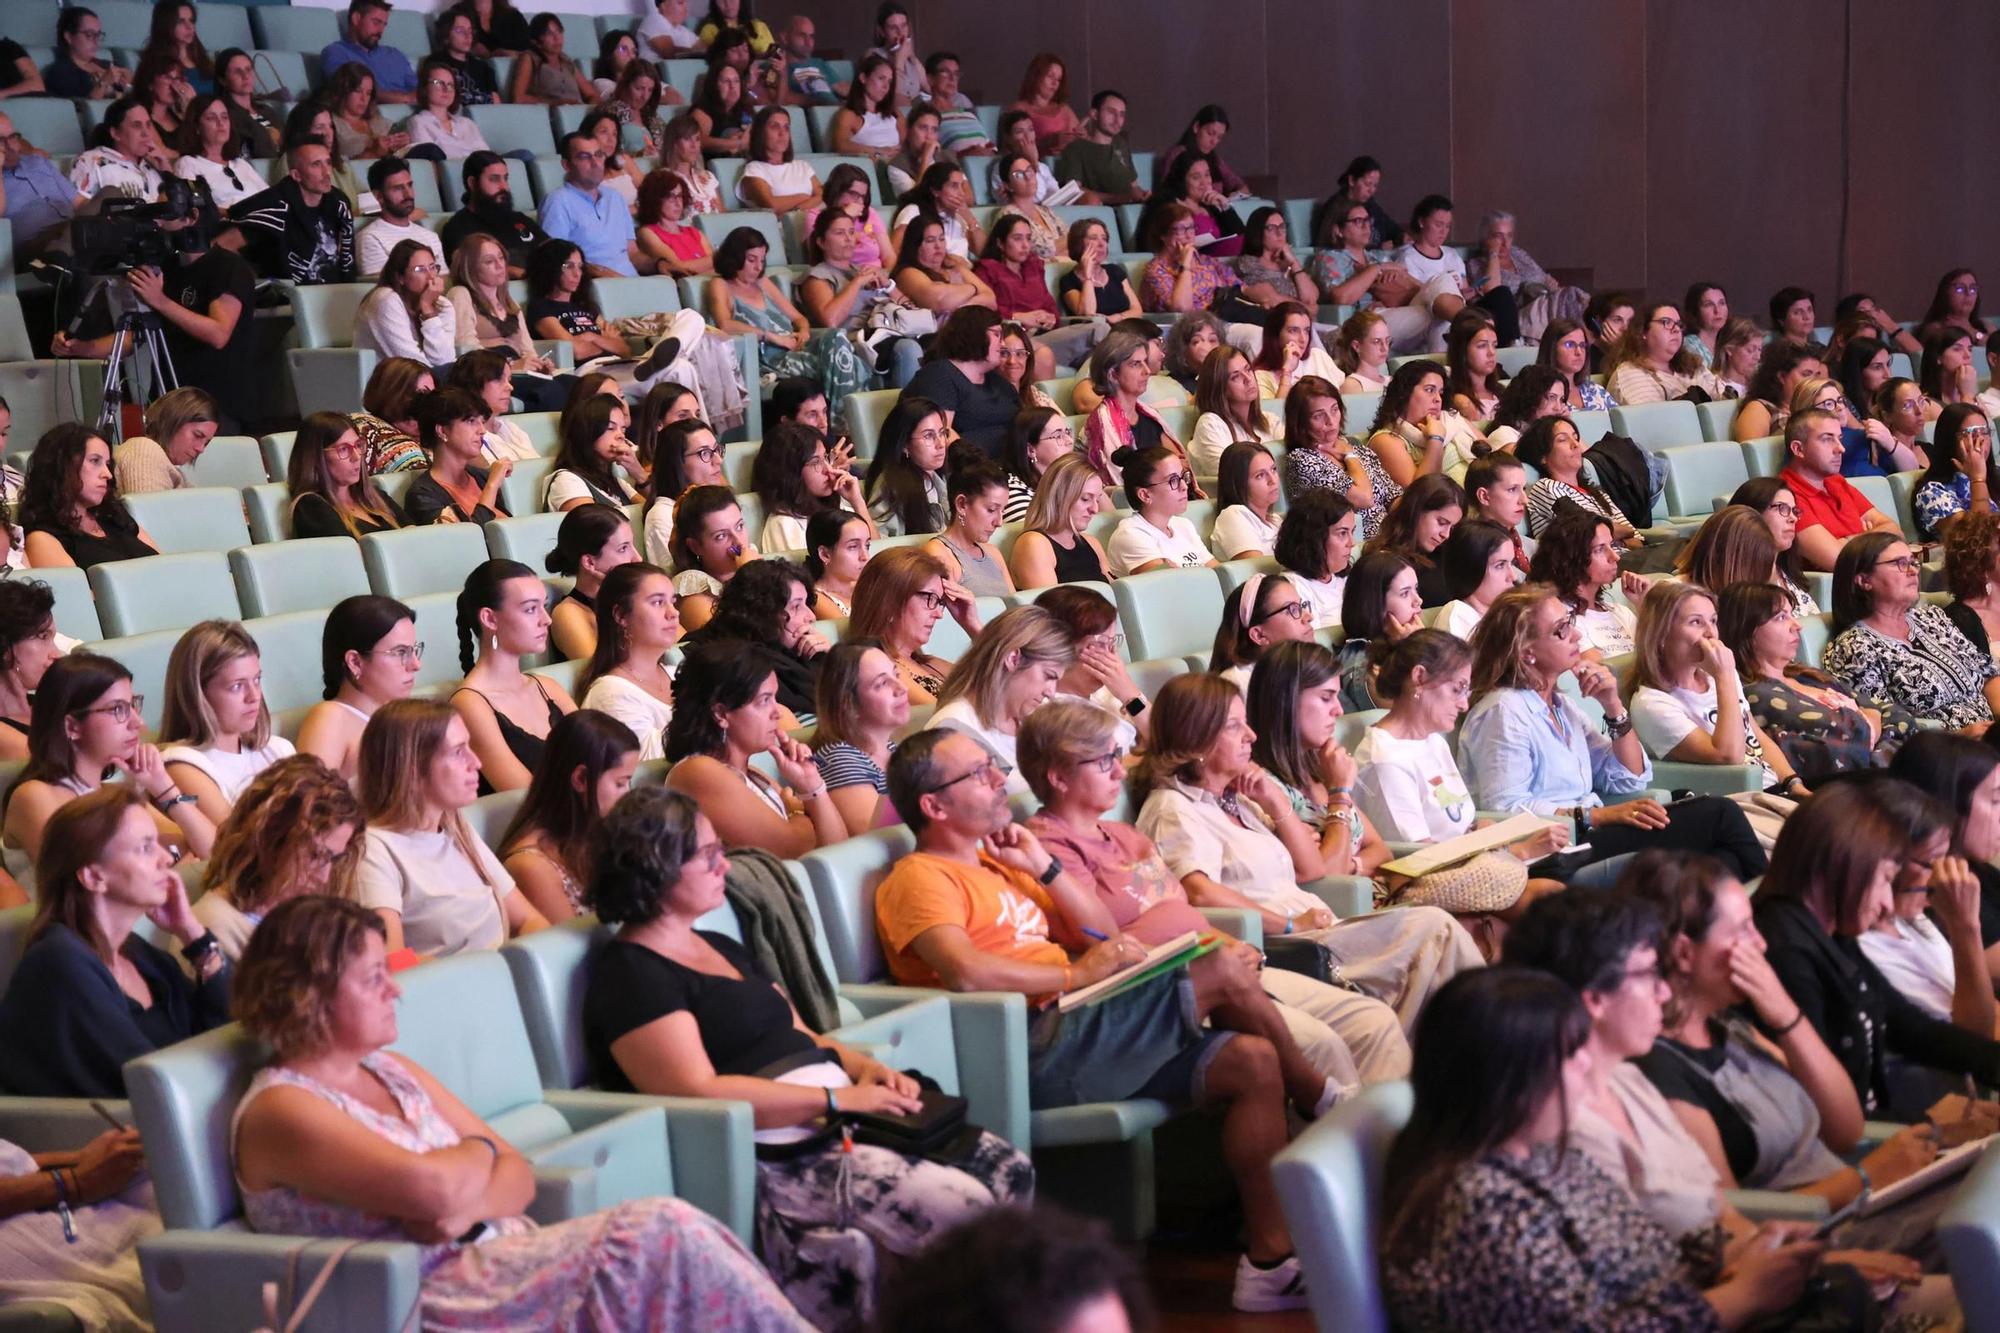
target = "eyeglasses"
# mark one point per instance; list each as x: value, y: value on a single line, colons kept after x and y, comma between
x: 708, y: 453
x: 1670, y: 325
x: 1065, y: 433
x: 1563, y: 629
x: 709, y: 854
x: 931, y: 600
x: 93, y: 34
x: 1975, y: 432
x: 1358, y: 217
x: 1106, y: 763
x: 320, y: 856
x: 121, y: 712
x: 993, y: 772
x: 1785, y: 511
x: 1906, y: 563
x: 1173, y: 481
x: 1830, y: 404
x: 1965, y: 288
x: 1295, y: 609
x: 1652, y: 974
x: 409, y: 654
x: 442, y: 82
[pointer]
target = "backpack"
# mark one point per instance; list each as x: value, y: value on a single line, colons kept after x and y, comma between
x: 1622, y: 473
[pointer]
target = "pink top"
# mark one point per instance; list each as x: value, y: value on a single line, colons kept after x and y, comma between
x: 1130, y: 879
x: 1053, y: 128
x: 685, y: 243
x: 867, y: 250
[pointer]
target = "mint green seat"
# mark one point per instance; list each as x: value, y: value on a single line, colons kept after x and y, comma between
x: 288, y: 648
x: 228, y: 26
x: 738, y: 458
x: 41, y: 392
x: 1903, y: 490
x: 49, y: 123
x: 76, y: 605
x: 1358, y: 412
x: 684, y: 75
x: 328, y: 371
x: 717, y: 226
x: 1169, y: 612
x: 304, y: 574
x: 1593, y: 426
x: 528, y: 539
x: 281, y: 74
x: 866, y: 411
x: 619, y: 297
x: 412, y: 561
x: 163, y: 592
x: 1698, y: 473
x: 1717, y: 418
x: 509, y: 128
x: 1656, y: 426
x: 1814, y: 634
x: 1969, y: 1234
x: 540, y: 428
x: 277, y: 450
x: 1765, y: 456
x: 1151, y: 676
x: 284, y: 28
x: 1878, y: 492
x: 521, y: 493
x: 269, y: 509
x: 437, y: 629
x: 145, y: 656
x: 195, y: 518
x: 1329, y: 1182
x: 948, y: 638
x: 235, y: 461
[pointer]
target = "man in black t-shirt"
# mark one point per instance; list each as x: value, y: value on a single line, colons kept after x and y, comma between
x: 488, y: 206
x: 300, y: 229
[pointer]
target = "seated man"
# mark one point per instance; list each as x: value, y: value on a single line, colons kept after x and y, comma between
x: 1830, y: 509
x: 806, y: 80
x: 488, y: 206
x: 34, y: 195
x: 972, y: 909
x: 590, y: 217
x: 1100, y: 159
x: 959, y: 127
x: 395, y: 81
x: 396, y: 195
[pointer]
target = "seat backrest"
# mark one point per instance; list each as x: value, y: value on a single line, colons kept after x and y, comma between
x: 1877, y: 491
x: 223, y: 26
x: 1697, y: 473
x: 277, y: 450
x: 459, y: 1019
x: 285, y: 28
x: 164, y: 592
x: 1717, y: 417
x: 194, y: 518
x: 145, y: 656
x: 49, y: 123
x: 619, y: 297
x: 866, y: 411
x: 437, y: 630
x: 183, y: 1097
x: 1764, y: 456
x: 551, y: 971
x: 76, y: 605
x: 949, y: 639
x: 303, y: 574
x: 539, y: 427
x: 489, y: 815
x: 843, y: 879
x: 528, y: 539
x: 1169, y: 612
x: 508, y: 128
x: 326, y: 313
x: 268, y: 507
x: 717, y: 226
x: 235, y: 461
x: 522, y: 491
x: 14, y: 923
x: 1594, y: 426
x: 1655, y: 426
x: 288, y: 654
x: 412, y: 561
x: 1329, y: 1182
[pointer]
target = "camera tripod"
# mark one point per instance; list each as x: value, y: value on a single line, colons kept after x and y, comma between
x: 135, y: 326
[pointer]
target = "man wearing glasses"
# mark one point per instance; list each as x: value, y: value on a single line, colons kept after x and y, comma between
x: 34, y: 196
x: 1830, y: 509
x: 974, y: 908
x: 591, y: 217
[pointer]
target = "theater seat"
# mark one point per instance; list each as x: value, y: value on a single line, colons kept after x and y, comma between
x: 1717, y: 417
x: 76, y: 605
x: 1656, y: 426
x: 328, y: 371
x: 234, y: 461
x: 528, y: 539
x: 1329, y: 1182
x: 288, y: 655
x: 412, y: 561
x: 1698, y: 473
x: 521, y: 493
x: 195, y: 518
x: 304, y: 574
x: 1169, y: 612
x: 1969, y: 1234
x: 162, y: 592
x: 269, y: 509
x: 866, y: 411
x: 145, y: 656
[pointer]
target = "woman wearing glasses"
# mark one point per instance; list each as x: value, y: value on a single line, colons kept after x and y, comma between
x: 1159, y: 535
x: 1566, y: 350
x: 1890, y: 643
x: 1651, y: 364
x: 899, y: 598
x: 406, y: 314
x: 332, y: 493
x: 1959, y: 477
x: 77, y: 71
x: 369, y: 656
x: 1038, y: 437
x: 1528, y: 746
x: 1261, y: 612
x: 87, y: 723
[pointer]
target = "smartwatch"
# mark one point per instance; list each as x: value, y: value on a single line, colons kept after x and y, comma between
x: 1136, y: 705
x: 1052, y: 874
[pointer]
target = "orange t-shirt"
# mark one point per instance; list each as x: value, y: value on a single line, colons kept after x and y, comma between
x: 1005, y: 911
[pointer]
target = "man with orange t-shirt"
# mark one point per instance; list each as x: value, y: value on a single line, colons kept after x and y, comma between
x: 974, y: 909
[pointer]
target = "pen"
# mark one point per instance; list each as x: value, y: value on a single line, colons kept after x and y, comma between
x: 1097, y: 935
x: 109, y: 1118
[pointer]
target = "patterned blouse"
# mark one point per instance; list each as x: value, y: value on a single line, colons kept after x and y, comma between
x: 1209, y: 277
x: 1594, y: 396
x: 1935, y: 502
x: 1308, y: 469
x: 1817, y: 740
x: 1546, y: 495
x: 1519, y: 270
x: 1330, y: 268
x: 1936, y: 673
x: 1544, y: 1242
x: 1253, y: 269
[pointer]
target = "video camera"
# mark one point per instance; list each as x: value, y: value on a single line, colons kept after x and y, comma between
x: 128, y: 233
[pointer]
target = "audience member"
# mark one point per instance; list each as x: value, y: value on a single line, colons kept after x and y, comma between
x: 301, y: 229
x: 178, y: 427
x: 407, y: 314
x: 1095, y: 286
x: 705, y: 546
x: 295, y: 830
x: 387, y: 65
x: 582, y: 211
x: 488, y: 209
x: 28, y: 645
x: 1538, y: 295
x: 1766, y: 399
x: 1246, y: 497
x: 1319, y: 457
x: 546, y: 847
x: 1290, y: 351
x: 1890, y: 643
x: 627, y: 676
x: 1429, y: 254
x: 544, y: 74
x: 1578, y: 558
x: 507, y: 712
x: 211, y: 151
x: 1158, y: 534
x: 1960, y: 476
x: 39, y: 199
x: 126, y: 158
x: 1417, y: 431
x: 369, y: 656
x: 78, y: 70
x: 1554, y: 447
x: 837, y: 542
x: 1099, y: 159
x: 215, y: 730
x: 960, y: 130
x: 70, y: 507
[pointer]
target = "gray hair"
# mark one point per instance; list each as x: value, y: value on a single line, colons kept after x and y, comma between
x: 1492, y: 218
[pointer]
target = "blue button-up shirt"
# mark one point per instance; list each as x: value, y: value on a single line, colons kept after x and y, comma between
x: 39, y: 197
x: 601, y: 226
x: 1516, y: 757
x: 390, y: 66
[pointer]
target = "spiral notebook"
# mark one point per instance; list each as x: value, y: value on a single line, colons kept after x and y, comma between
x: 1175, y: 953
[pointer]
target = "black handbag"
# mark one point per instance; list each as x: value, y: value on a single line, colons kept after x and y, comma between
x: 938, y: 1131
x: 1294, y: 953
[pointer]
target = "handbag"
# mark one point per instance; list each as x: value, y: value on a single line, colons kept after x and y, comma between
x: 1295, y: 953
x: 938, y: 1131
x: 297, y: 1308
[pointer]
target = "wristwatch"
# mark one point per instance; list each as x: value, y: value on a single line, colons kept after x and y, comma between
x: 1136, y: 705
x: 1052, y: 874
x: 1614, y: 727
x: 201, y: 948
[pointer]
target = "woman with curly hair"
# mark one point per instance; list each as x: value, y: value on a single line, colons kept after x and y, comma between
x: 70, y: 506
x: 1578, y: 559
x: 296, y: 829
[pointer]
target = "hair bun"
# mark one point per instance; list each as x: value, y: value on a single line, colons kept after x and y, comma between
x: 1125, y: 455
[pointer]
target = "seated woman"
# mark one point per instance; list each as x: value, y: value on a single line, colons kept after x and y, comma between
x: 1361, y: 351
x: 1958, y: 774
x: 1012, y: 668
x: 487, y: 317
x: 899, y: 599
x: 1017, y: 138
x: 1554, y: 447
x: 1566, y: 350
x: 1767, y: 398
x: 85, y: 730
x: 1290, y: 351
x: 327, y: 478
x: 1261, y: 612
x: 562, y: 304
x: 1097, y: 673
x: 435, y: 886
x: 1315, y: 548
x: 867, y: 123
x: 546, y: 847
x: 1890, y: 643
x: 862, y: 704
x: 1319, y: 457
x: 88, y: 994
x: 1158, y: 535
x: 1473, y: 380
x: 593, y: 540
x: 1961, y: 477
x: 1121, y: 368
x: 1971, y: 566
x: 503, y: 616
x: 1467, y: 1243
x: 455, y: 488
x: 1055, y: 545
x: 1178, y: 356
x: 1706, y: 307
x: 360, y: 131
x: 1189, y: 179
x: 627, y: 676
x: 1379, y: 607
x: 666, y: 230
x: 672, y: 1011
x: 330, y: 1136
x: 945, y: 194
x: 1946, y: 373
x: 918, y: 150
x: 686, y: 454
x: 178, y: 426
x: 406, y: 313
x: 1769, y: 1113
x: 963, y: 380
x: 840, y: 292
x: 70, y: 507
x: 905, y: 482
x: 1415, y: 431
x: 387, y: 421
x: 930, y: 277
x: 1246, y: 496
x: 795, y: 479
x: 296, y: 829
x: 1017, y: 191
x: 1407, y: 786
x: 1535, y: 393
x: 1829, y: 883
x: 773, y: 180
x: 1476, y: 565
x: 1739, y: 350
x: 965, y: 548
x: 595, y: 463
x: 28, y: 644
x: 1021, y: 293
x: 215, y: 732
x: 837, y: 542
x: 78, y: 70
x: 1095, y: 286
x: 1814, y: 721
x: 849, y: 190
x: 1539, y: 295
x: 742, y: 299
x: 1578, y: 559
x: 369, y: 655
x: 1270, y: 270
x: 1527, y: 745
x: 1418, y: 524
x: 707, y: 546
x: 1735, y: 544
x: 1181, y: 276
x: 1228, y: 398
x: 544, y: 74
x: 668, y: 404
x: 726, y: 710
x: 1038, y: 437
x: 1650, y: 364
x: 1774, y: 501
x: 768, y: 605
x: 1239, y: 831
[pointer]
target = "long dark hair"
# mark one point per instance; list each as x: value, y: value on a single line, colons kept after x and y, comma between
x: 614, y: 606
x: 584, y: 531
x: 580, y: 426
x: 71, y: 684
x: 545, y: 263
x: 1302, y: 534
x: 50, y: 492
x: 355, y: 625
x: 1364, y: 607
x: 891, y: 474
x: 778, y: 474
x: 1944, y: 447
x: 1489, y: 1053
x: 1523, y: 395
x: 553, y: 806
x: 1283, y: 672
x: 1562, y: 560
x: 1940, y: 309
x: 1948, y: 767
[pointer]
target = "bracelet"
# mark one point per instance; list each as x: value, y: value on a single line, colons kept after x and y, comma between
x: 1288, y: 923
x: 491, y: 1146
x: 832, y: 1106
x: 814, y: 795
x: 62, y: 1204
x: 1797, y: 1018
x: 1066, y: 977
x: 1339, y: 791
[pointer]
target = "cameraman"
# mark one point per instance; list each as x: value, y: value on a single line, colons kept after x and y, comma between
x: 204, y: 297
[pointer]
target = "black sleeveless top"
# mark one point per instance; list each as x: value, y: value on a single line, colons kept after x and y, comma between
x: 1079, y: 564
x: 87, y: 550
x: 523, y: 745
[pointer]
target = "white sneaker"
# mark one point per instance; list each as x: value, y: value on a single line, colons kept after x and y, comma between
x: 1261, y: 1290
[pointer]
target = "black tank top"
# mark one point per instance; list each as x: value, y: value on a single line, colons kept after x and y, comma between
x: 523, y: 745
x: 1079, y: 564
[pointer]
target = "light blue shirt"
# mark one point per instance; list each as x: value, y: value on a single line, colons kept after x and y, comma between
x: 390, y: 66
x: 1516, y: 757
x: 601, y: 227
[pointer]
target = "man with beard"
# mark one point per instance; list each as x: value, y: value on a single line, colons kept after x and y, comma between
x: 488, y: 206
x: 300, y: 229
x: 396, y: 196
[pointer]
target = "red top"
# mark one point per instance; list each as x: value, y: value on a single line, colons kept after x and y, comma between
x: 1029, y: 291
x: 1837, y: 507
x: 685, y: 243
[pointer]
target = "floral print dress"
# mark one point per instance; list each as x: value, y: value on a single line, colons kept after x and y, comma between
x: 1936, y: 672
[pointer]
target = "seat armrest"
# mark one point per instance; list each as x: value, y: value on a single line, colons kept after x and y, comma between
x: 1777, y: 1205
x: 201, y: 1281
x: 990, y: 1031
x: 1708, y: 779
x: 915, y: 1036
x: 55, y: 1124
x: 711, y: 1146
x: 873, y: 998
x: 562, y: 1193
x: 627, y: 1153
x: 1241, y: 922
x: 1347, y: 895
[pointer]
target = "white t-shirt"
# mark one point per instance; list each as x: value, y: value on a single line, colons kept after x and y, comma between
x: 960, y: 715
x: 1611, y: 632
x: 1238, y: 529
x: 1211, y: 436
x: 230, y: 771
x: 446, y: 907
x: 1459, y: 618
x: 1411, y: 790
x: 374, y: 242
x: 229, y: 183
x: 1423, y: 268
x: 1136, y: 542
x: 656, y: 25
x: 1915, y: 958
x: 507, y: 440
x: 462, y: 138
x: 1322, y: 597
x: 1665, y: 718
x: 646, y: 715
x: 954, y: 231
x: 382, y: 326
x: 783, y: 532
x: 564, y: 486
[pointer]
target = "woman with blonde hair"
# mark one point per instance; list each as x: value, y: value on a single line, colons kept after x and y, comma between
x: 1870, y: 448
x: 1361, y: 350
x: 179, y: 425
x: 215, y: 732
x: 296, y: 829
x: 899, y: 599
x: 1055, y: 545
x: 437, y: 888
x: 1014, y: 667
x: 332, y: 494
x: 1739, y: 349
x: 488, y: 316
